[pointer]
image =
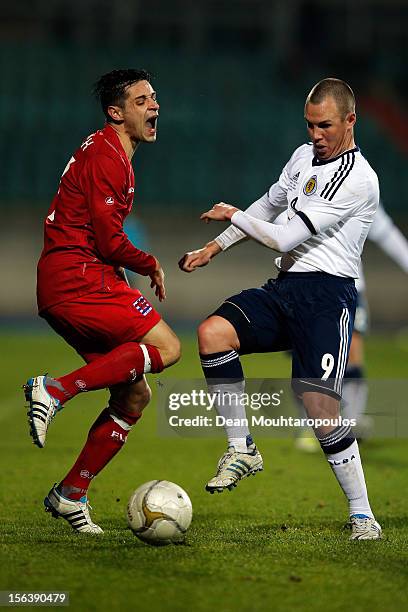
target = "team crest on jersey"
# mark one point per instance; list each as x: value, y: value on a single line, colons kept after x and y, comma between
x: 310, y: 186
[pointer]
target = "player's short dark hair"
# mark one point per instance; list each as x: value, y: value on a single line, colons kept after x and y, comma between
x: 339, y: 90
x: 110, y: 88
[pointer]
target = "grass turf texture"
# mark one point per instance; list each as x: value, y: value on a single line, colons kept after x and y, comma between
x: 275, y: 542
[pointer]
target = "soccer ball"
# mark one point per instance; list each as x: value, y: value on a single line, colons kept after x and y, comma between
x: 159, y: 512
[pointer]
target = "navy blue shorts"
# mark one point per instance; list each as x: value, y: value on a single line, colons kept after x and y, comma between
x: 310, y: 314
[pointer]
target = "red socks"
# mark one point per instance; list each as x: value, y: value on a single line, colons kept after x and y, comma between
x: 122, y: 365
x: 109, y: 432
x: 106, y: 437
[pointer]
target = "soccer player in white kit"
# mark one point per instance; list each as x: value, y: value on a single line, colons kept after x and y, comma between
x: 330, y: 195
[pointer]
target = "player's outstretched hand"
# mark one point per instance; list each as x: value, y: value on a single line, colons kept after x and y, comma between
x: 219, y: 212
x: 197, y: 259
x: 157, y: 278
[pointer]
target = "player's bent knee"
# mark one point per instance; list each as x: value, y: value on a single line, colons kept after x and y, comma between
x: 216, y: 334
x: 320, y: 405
x: 139, y: 400
x: 130, y: 399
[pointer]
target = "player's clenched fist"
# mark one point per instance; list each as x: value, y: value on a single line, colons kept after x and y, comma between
x: 219, y: 212
x: 199, y: 258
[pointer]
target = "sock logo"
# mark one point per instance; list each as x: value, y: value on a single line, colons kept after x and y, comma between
x: 119, y: 436
x: 81, y: 384
x: 86, y: 474
x: 342, y: 462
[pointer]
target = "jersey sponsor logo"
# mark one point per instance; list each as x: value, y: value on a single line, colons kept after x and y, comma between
x: 142, y: 306
x: 310, y: 186
x: 109, y: 200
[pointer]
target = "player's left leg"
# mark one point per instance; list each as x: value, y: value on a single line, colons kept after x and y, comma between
x: 325, y: 305
x: 106, y: 438
x: 342, y: 453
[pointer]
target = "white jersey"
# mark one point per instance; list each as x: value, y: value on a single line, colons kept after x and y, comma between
x: 336, y: 200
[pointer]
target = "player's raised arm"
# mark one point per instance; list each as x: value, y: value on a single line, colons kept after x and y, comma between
x: 266, y: 207
x: 281, y: 238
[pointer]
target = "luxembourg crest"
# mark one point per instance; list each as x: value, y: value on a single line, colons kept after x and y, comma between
x: 311, y: 186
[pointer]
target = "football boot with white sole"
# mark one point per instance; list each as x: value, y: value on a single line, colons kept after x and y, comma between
x: 233, y: 467
x: 364, y: 528
x: 42, y: 408
x: 76, y: 513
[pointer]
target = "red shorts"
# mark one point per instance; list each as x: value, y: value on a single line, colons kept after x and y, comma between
x: 96, y: 323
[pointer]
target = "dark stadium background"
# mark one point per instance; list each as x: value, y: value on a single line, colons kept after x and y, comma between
x: 231, y: 77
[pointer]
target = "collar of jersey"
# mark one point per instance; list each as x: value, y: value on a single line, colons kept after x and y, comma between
x: 318, y: 162
x: 113, y: 138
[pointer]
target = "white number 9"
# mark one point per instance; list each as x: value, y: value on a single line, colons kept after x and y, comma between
x: 327, y: 365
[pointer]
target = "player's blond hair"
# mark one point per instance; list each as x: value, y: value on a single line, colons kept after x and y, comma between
x: 339, y: 90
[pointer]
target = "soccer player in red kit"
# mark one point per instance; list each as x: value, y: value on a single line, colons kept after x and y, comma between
x: 83, y: 294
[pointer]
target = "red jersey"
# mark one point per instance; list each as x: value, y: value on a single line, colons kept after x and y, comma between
x: 84, y: 241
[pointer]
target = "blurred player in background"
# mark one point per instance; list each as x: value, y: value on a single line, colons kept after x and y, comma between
x: 83, y: 294
x: 330, y: 194
x: 390, y: 239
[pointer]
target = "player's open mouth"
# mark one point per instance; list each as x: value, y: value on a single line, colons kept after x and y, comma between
x: 151, y: 124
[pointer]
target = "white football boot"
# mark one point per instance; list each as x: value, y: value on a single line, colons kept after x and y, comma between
x: 42, y: 408
x: 364, y: 528
x: 75, y: 512
x: 234, y: 466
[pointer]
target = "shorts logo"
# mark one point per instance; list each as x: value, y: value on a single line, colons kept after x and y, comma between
x: 311, y: 186
x: 142, y: 305
x: 109, y: 200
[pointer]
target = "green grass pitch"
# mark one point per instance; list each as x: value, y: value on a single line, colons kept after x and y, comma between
x: 276, y: 542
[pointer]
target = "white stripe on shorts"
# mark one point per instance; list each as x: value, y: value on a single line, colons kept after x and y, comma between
x: 342, y: 356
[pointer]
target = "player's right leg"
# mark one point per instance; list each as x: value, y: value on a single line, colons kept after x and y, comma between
x: 241, y: 325
x: 218, y: 345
